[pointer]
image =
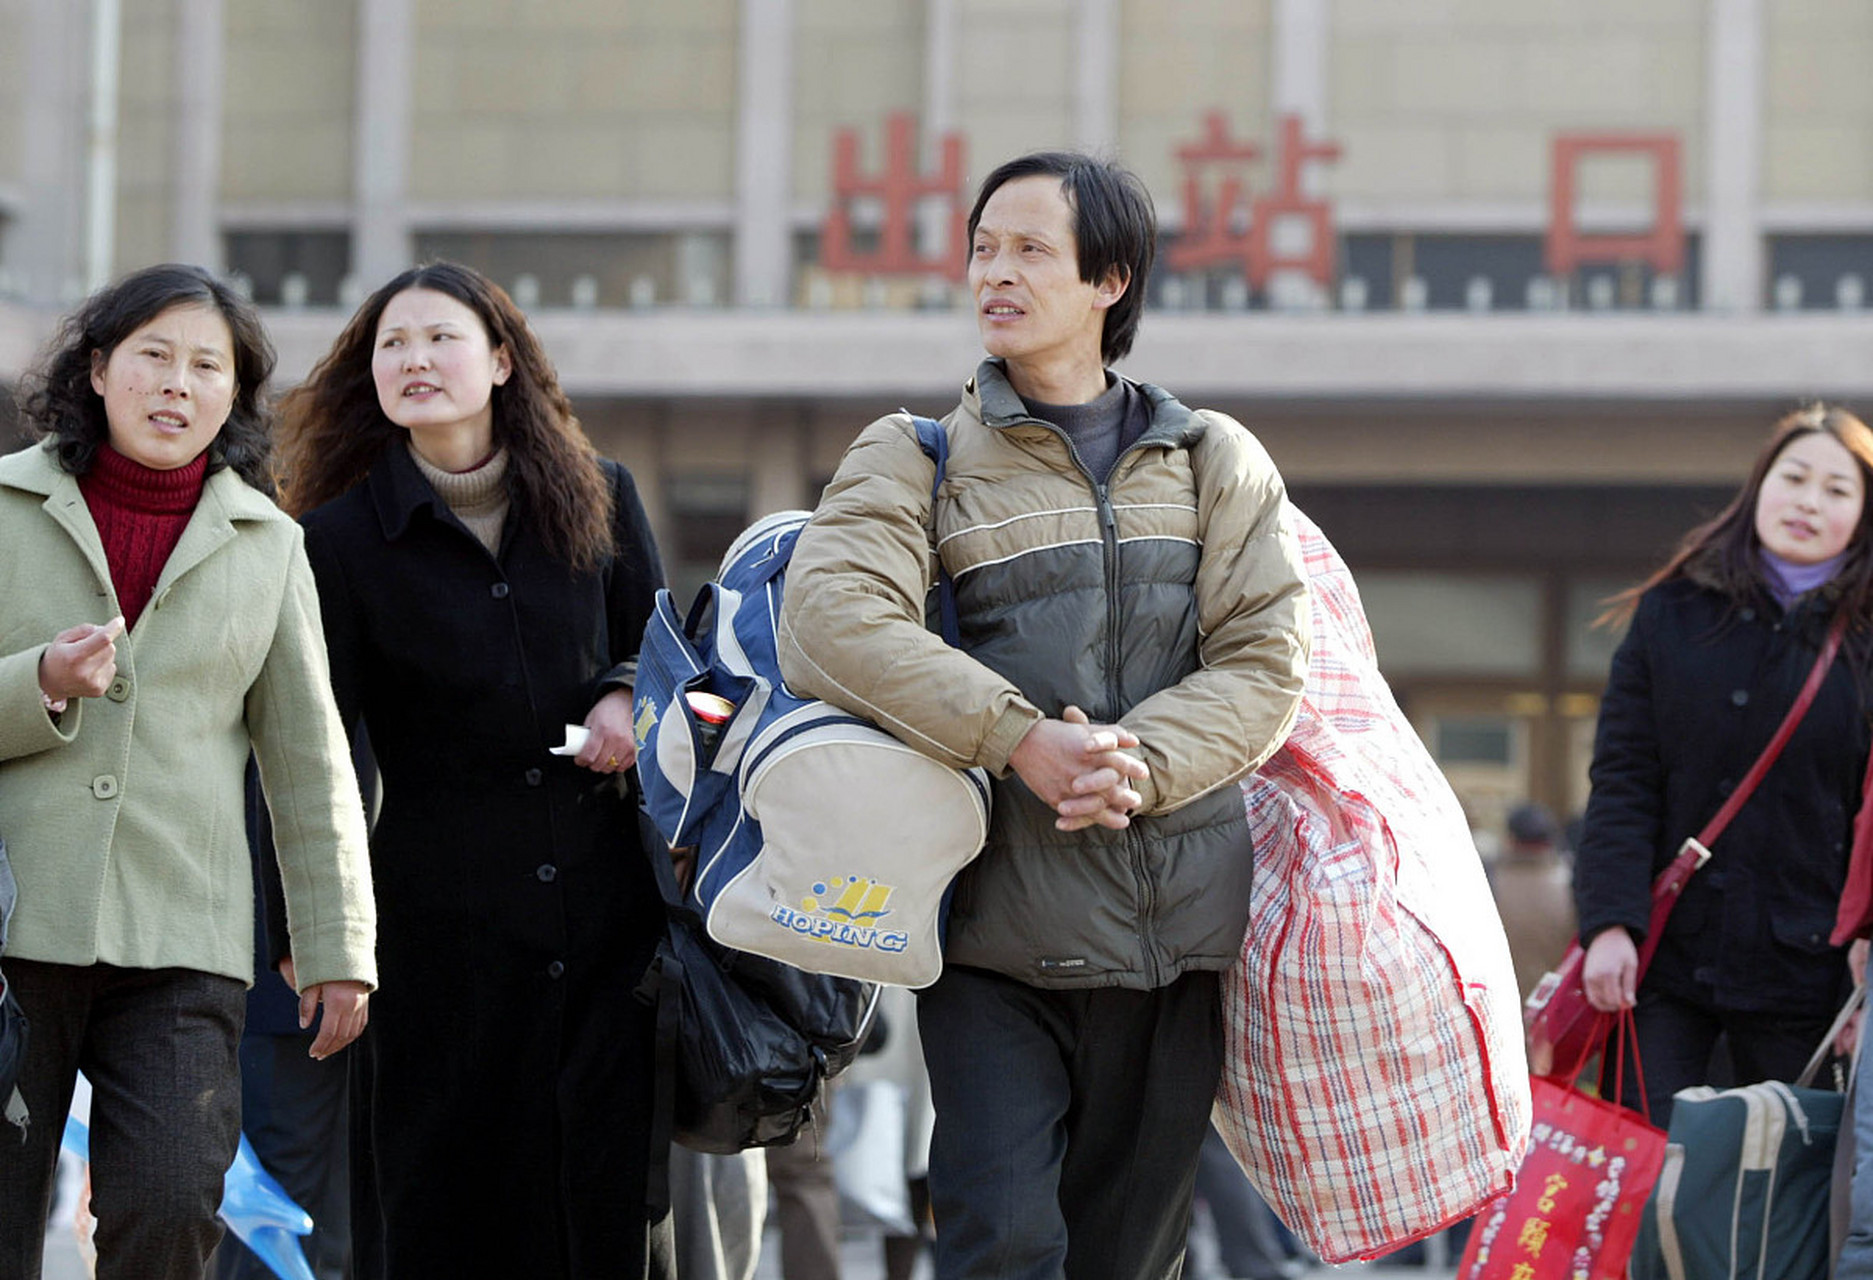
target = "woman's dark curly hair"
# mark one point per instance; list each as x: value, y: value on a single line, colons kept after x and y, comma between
x: 58, y: 402
x: 333, y: 430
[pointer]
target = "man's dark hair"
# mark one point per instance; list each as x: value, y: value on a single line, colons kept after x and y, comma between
x: 1114, y: 225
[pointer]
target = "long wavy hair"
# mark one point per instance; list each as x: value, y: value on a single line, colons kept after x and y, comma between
x: 59, y: 404
x: 333, y: 430
x: 1725, y: 555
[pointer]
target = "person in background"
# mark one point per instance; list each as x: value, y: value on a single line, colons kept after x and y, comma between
x: 161, y: 624
x: 1720, y: 640
x: 1534, y: 894
x: 486, y: 578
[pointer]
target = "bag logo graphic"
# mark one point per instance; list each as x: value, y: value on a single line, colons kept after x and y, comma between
x: 646, y: 717
x: 844, y: 911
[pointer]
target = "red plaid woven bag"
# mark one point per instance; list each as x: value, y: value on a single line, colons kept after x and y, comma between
x: 1375, y: 1087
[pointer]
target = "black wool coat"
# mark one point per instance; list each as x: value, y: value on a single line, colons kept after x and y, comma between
x: 1696, y: 691
x: 502, y: 1096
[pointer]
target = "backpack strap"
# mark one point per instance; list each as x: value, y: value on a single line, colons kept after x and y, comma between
x: 936, y: 446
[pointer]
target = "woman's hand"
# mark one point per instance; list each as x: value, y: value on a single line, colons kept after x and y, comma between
x: 347, y: 1010
x: 1611, y: 971
x: 81, y: 661
x: 610, y: 744
x: 1856, y: 967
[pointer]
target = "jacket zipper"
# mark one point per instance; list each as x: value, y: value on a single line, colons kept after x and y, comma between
x: 1109, y: 538
x: 1134, y: 843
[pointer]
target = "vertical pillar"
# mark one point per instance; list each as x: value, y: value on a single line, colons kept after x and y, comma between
x: 939, y: 80
x: 380, y: 148
x: 764, y: 155
x: 45, y: 250
x: 201, y: 56
x: 777, y: 467
x: 1096, y: 76
x: 1298, y: 67
x: 1732, y: 261
x: 107, y: 21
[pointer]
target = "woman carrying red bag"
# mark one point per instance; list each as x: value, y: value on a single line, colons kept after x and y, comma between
x: 1721, y: 640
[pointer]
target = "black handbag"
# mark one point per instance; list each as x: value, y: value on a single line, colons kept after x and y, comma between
x: 13, y: 1025
x: 745, y: 1044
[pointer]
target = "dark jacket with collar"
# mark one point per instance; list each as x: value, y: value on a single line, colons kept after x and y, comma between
x: 517, y: 908
x: 1168, y: 598
x: 1696, y: 691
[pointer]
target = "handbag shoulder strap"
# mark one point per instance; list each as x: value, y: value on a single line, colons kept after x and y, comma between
x: 1803, y: 700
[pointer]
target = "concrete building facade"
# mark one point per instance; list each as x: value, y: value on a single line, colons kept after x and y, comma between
x: 1496, y: 442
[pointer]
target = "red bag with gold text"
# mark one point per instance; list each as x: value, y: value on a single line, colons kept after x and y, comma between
x: 1578, y: 1198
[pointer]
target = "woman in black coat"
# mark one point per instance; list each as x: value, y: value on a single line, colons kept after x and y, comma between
x: 485, y: 579
x: 1721, y: 640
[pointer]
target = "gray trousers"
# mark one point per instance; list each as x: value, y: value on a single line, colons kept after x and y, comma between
x: 158, y: 1046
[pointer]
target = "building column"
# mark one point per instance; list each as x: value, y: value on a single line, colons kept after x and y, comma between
x: 939, y: 76
x: 380, y: 140
x: 777, y: 478
x: 1732, y: 260
x: 1096, y: 76
x: 45, y: 258
x: 201, y: 56
x: 764, y: 155
x: 1298, y: 74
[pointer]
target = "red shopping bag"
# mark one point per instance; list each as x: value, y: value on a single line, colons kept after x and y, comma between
x: 1578, y: 1198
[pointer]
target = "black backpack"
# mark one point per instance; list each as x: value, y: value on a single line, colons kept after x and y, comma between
x: 745, y: 1044
x: 12, y: 1018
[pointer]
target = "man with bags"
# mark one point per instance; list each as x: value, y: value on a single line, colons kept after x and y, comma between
x: 1134, y: 640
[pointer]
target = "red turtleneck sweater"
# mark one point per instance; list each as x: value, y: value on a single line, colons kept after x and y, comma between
x: 140, y: 514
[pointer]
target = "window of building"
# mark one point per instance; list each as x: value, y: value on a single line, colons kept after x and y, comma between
x: 1412, y: 271
x: 593, y: 268
x: 1589, y: 647
x: 1449, y: 624
x: 706, y: 513
x: 1820, y: 272
x: 291, y: 268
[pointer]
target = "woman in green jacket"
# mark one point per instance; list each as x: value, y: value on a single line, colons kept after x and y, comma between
x: 158, y: 622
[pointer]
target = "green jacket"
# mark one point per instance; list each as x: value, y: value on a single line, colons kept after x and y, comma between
x: 125, y: 820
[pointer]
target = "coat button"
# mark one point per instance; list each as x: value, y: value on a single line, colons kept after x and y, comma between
x: 547, y: 873
x: 104, y: 786
x: 556, y: 969
x: 533, y: 777
x: 1740, y: 698
x: 498, y: 591
x: 1747, y: 614
x: 119, y: 690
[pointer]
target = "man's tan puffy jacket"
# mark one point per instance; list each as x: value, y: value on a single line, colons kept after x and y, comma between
x: 1169, y: 599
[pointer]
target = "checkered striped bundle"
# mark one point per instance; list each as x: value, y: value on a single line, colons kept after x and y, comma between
x: 1375, y: 1086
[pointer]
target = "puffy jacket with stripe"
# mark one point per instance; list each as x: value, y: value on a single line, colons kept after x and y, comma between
x: 1169, y: 599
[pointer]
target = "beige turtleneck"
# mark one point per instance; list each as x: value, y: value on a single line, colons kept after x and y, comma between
x: 478, y: 498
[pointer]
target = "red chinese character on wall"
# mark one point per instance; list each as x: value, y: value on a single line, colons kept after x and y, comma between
x: 898, y: 189
x: 1215, y: 234
x: 1315, y: 259
x: 1231, y: 229
x: 1661, y: 248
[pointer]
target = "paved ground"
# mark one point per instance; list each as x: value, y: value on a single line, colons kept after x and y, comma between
x: 862, y: 1259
